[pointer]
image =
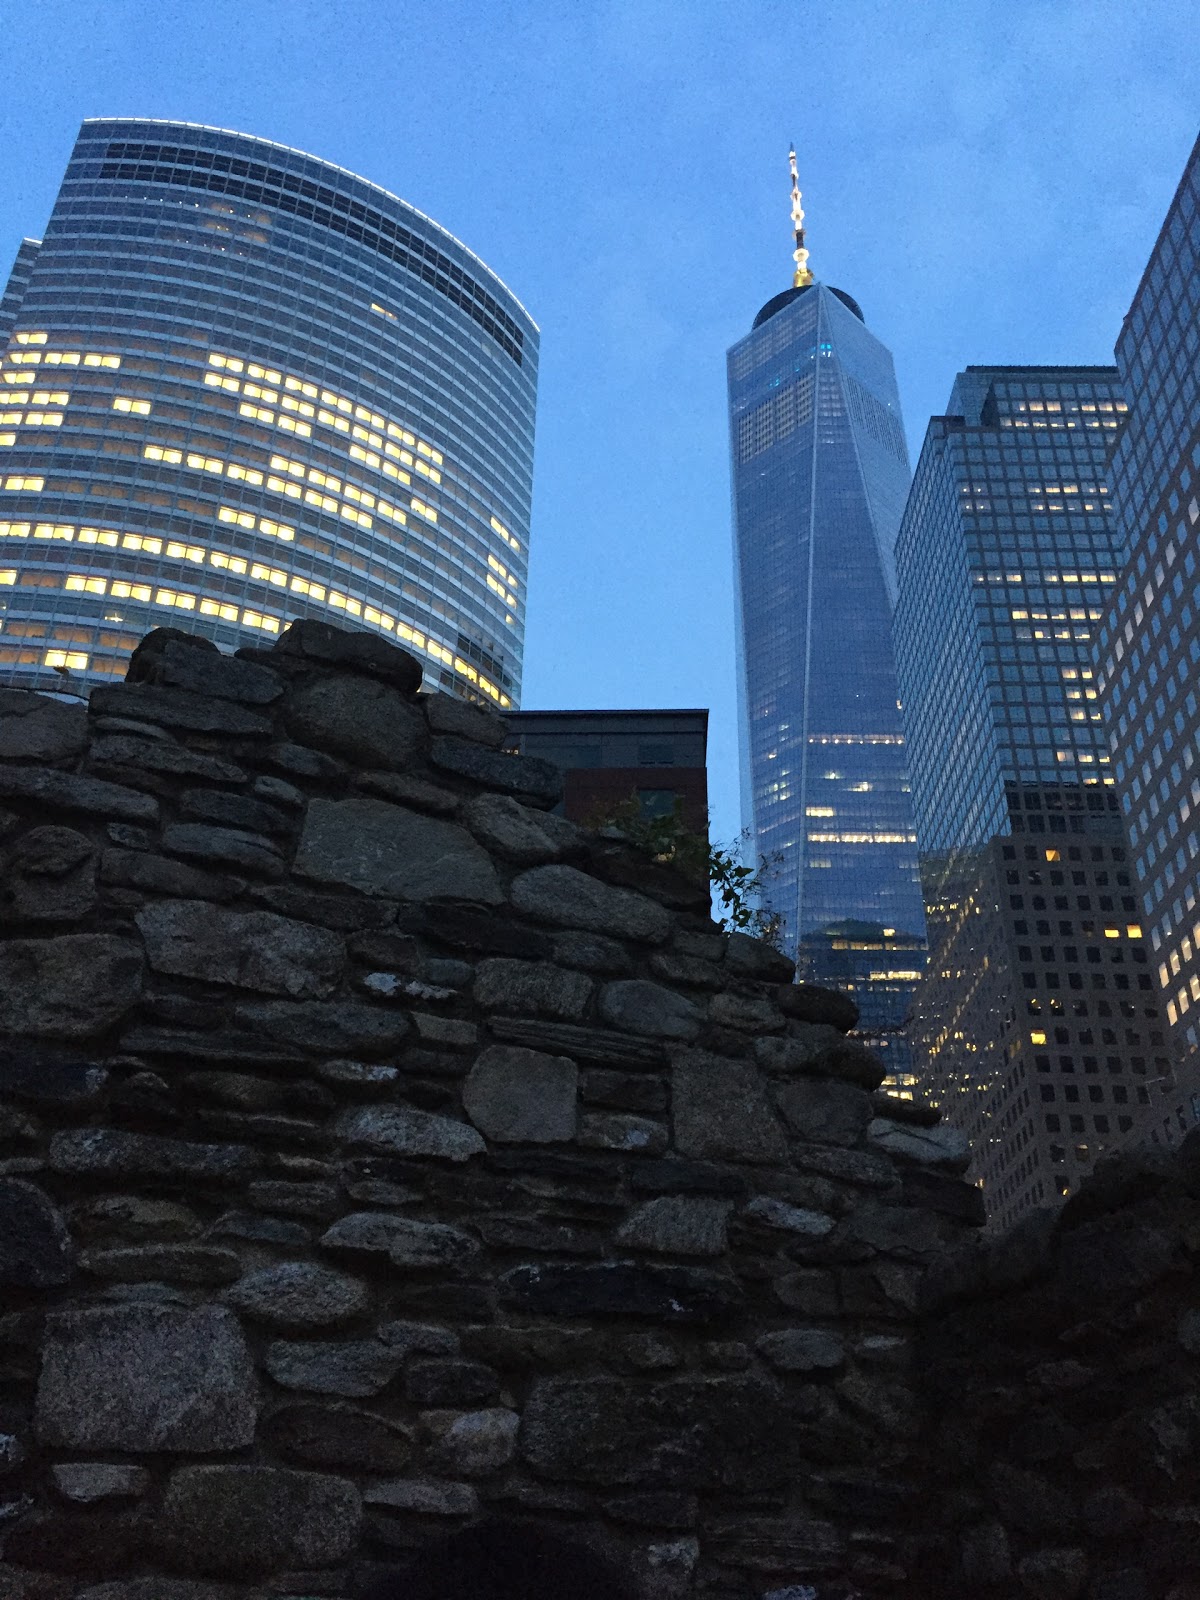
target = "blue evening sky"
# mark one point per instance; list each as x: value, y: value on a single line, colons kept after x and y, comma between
x: 986, y: 177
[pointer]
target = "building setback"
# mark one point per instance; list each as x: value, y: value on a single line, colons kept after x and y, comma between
x: 1148, y: 650
x: 240, y: 386
x: 819, y: 475
x: 1037, y: 1030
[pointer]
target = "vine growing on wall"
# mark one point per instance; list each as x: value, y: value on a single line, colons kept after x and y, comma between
x: 738, y: 889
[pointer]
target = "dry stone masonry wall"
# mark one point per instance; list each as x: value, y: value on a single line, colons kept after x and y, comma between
x: 382, y: 1155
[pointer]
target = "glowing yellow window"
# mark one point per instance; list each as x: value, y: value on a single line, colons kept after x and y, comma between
x: 360, y: 495
x: 9, y: 575
x: 1112, y: 933
x: 1053, y: 855
x: 32, y: 338
x: 267, y: 374
x: 206, y: 463
x: 35, y: 485
x: 389, y: 471
x: 240, y: 519
x: 19, y: 377
x: 92, y: 359
x: 230, y: 563
x: 55, y: 530
x: 66, y: 658
x: 268, y: 574
x: 286, y: 464
x: 244, y: 474
x: 340, y: 423
x: 282, y: 486
x: 140, y: 408
x: 331, y: 399
x: 298, y: 386
x: 383, y: 311
x: 423, y: 510
x: 256, y: 413
x: 214, y: 380
x: 185, y: 552
x: 229, y: 363
x: 62, y: 358
x: 14, y: 530
x: 44, y: 419
x: 157, y: 453
x: 170, y: 597
x: 139, y: 541
x: 86, y: 585
x: 48, y: 397
x: 1133, y: 930
x: 325, y: 479
x: 107, y: 536
x: 256, y: 391
x: 29, y: 357
x: 290, y: 403
x: 213, y: 608
x: 291, y: 425
x: 395, y: 432
x: 277, y: 530
x: 255, y: 619
x: 314, y: 497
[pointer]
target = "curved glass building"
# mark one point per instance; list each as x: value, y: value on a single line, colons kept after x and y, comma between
x: 241, y: 385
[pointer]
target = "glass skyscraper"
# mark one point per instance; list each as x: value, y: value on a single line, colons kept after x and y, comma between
x: 1149, y: 646
x: 1036, y: 1030
x: 239, y: 386
x: 820, y: 473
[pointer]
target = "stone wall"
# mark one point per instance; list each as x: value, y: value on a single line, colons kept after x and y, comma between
x: 380, y: 1154
x: 1061, y: 1368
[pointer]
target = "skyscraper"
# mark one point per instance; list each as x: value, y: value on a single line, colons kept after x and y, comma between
x: 820, y: 473
x: 241, y: 385
x: 1148, y: 651
x: 1037, y: 1030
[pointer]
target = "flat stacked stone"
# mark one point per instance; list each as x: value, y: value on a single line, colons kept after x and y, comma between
x: 382, y: 1152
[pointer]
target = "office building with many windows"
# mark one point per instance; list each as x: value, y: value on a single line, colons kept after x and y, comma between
x: 1148, y: 649
x: 239, y: 386
x: 1037, y: 1029
x: 819, y: 477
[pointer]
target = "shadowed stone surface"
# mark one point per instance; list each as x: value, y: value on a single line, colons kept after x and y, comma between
x: 522, y: 1096
x: 295, y: 1295
x: 413, y: 1133
x: 241, y: 1519
x: 721, y: 1110
x: 364, y: 721
x: 36, y: 1251
x: 70, y: 987
x: 254, y: 950
x: 382, y: 849
x: 147, y: 1378
x: 567, y: 898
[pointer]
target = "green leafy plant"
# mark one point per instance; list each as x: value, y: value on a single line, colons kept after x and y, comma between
x: 737, y: 888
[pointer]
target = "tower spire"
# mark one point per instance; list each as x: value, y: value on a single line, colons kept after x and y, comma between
x: 802, y: 276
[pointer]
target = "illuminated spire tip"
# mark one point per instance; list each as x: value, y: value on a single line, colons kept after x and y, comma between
x: 802, y: 277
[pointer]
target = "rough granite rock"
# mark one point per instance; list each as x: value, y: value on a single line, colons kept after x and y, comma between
x: 384, y: 849
x: 520, y: 833
x: 146, y: 1378
x: 531, y: 988
x: 177, y: 708
x: 826, y: 1111
x: 475, y: 1443
x: 36, y: 1250
x: 395, y: 1130
x: 942, y: 1146
x: 323, y: 645
x: 349, y: 1368
x: 634, y: 1005
x: 74, y: 986
x: 250, y: 950
x: 406, y: 1241
x: 35, y: 728
x: 517, y: 1096
x: 720, y: 1109
x: 86, y: 1483
x: 537, y: 782
x: 362, y: 720
x: 669, y: 1294
x: 293, y: 1296
x: 247, y: 1519
x: 678, y: 1225
x: 567, y: 898
x: 335, y: 1028
x: 338, y: 1436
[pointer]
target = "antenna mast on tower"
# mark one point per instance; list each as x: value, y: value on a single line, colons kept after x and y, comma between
x: 802, y: 276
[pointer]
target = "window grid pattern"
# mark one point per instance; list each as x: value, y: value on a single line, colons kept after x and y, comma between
x: 330, y: 429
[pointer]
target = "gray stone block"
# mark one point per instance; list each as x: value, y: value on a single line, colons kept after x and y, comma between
x: 531, y: 988
x: 36, y: 728
x: 524, y: 776
x: 802, y: 1350
x: 476, y: 1443
x: 720, y: 1109
x: 383, y: 849
x: 177, y: 708
x: 242, y: 1519
x: 364, y: 721
x: 339, y: 1028
x: 228, y: 847
x: 249, y: 950
x: 113, y: 1153
x: 519, y: 833
x: 146, y: 1378
x: 351, y: 649
x: 824, y: 1111
x: 69, y: 987
x: 942, y: 1146
x: 86, y: 1483
x: 564, y: 897
x: 519, y: 1096
x: 349, y: 1368
x: 678, y: 1225
x: 293, y: 1296
x: 36, y: 1251
x: 635, y: 1005
x: 408, y: 1243
x: 393, y: 1130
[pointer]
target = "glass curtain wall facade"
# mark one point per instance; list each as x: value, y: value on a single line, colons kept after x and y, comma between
x: 819, y: 476
x: 1148, y: 650
x: 1038, y: 974
x: 240, y: 386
